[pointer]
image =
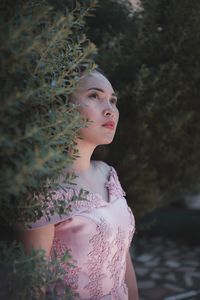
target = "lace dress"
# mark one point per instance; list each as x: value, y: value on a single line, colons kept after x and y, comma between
x: 97, y: 234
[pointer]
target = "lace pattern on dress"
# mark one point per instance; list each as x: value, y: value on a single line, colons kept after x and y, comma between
x: 132, y: 226
x: 113, y: 185
x: 102, y: 243
x: 94, y: 200
x: 97, y: 257
x: 58, y: 250
x: 91, y: 200
x: 117, y: 262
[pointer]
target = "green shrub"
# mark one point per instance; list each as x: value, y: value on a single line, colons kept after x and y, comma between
x: 43, y: 54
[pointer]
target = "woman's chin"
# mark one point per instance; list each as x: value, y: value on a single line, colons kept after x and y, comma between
x: 107, y: 141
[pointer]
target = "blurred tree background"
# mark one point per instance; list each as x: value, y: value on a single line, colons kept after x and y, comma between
x: 151, y: 56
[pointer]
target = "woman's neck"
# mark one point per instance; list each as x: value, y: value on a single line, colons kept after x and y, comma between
x: 83, y: 162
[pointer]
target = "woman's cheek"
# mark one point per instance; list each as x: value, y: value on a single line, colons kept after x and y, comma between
x: 117, y: 114
x: 88, y: 114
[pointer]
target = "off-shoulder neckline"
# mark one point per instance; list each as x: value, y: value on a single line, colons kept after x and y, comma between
x: 112, y: 185
x: 91, y: 194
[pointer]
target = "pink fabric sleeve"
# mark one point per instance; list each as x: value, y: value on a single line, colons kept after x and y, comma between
x: 69, y: 197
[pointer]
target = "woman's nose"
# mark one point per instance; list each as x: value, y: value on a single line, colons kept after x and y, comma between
x: 108, y: 109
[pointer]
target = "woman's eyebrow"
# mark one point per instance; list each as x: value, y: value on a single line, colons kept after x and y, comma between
x: 100, y: 90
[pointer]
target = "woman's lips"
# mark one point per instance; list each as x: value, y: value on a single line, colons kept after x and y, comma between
x: 109, y: 124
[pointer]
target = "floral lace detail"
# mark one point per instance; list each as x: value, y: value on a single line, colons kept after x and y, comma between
x: 99, y: 270
x: 89, y: 200
x: 76, y: 204
x: 97, y: 257
x: 121, y: 293
x: 58, y: 250
x: 92, y: 201
x: 117, y: 263
x: 114, y: 186
x: 132, y: 226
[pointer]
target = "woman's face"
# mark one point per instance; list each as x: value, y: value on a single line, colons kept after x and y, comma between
x: 97, y: 102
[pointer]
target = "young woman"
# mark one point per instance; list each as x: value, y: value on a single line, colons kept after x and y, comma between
x: 98, y: 230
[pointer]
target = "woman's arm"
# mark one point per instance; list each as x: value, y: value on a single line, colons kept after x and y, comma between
x: 130, y: 279
x: 40, y: 238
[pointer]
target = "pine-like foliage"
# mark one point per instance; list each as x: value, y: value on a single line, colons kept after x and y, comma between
x: 44, y: 52
x: 25, y: 277
x: 152, y: 57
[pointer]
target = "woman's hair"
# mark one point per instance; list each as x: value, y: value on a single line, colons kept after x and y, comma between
x: 99, y: 70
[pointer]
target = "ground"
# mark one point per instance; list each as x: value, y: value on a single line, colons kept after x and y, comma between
x: 167, y: 265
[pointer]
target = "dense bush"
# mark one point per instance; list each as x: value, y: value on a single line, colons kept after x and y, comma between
x: 42, y: 53
x: 25, y: 276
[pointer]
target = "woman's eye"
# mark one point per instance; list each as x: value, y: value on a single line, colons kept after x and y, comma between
x: 113, y: 100
x: 94, y: 95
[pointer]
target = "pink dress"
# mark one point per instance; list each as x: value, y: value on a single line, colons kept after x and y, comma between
x: 97, y: 234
